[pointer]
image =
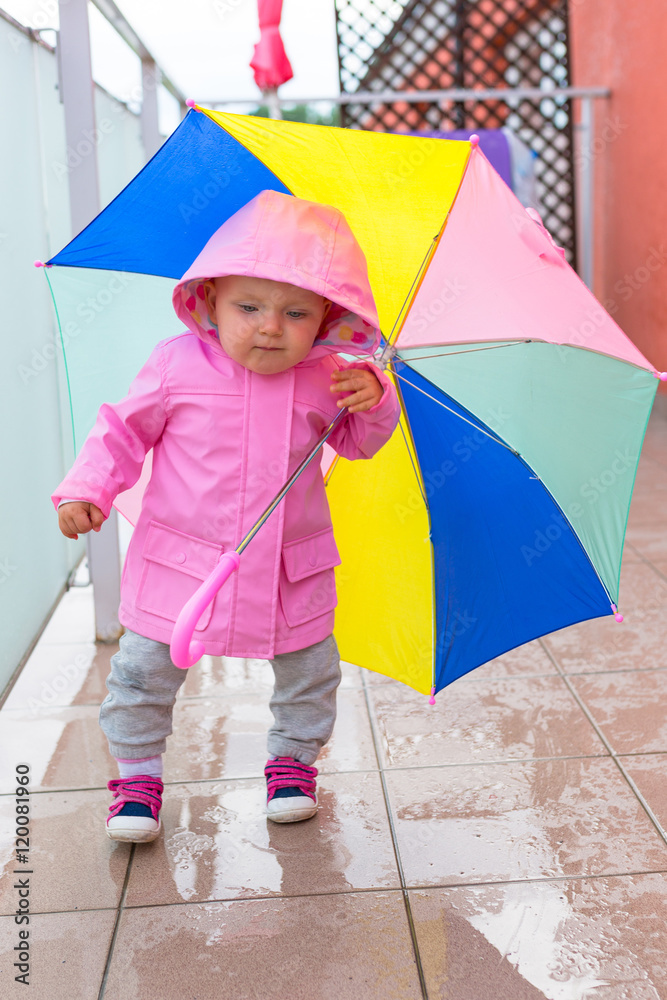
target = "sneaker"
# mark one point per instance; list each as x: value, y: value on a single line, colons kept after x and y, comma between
x: 134, y: 815
x: 290, y: 787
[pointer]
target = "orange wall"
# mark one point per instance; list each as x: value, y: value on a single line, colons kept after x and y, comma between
x: 622, y: 44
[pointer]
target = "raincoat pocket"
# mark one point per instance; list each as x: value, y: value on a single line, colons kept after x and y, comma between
x: 175, y: 564
x: 308, y: 586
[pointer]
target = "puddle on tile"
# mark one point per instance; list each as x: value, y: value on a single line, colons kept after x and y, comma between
x: 524, y: 820
x: 217, y: 844
x: 562, y: 940
x: 341, y: 947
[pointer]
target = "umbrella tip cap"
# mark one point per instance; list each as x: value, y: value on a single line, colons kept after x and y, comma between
x: 474, y: 139
x: 661, y: 375
x: 617, y: 615
x: 190, y: 103
x: 431, y: 700
x: 40, y: 263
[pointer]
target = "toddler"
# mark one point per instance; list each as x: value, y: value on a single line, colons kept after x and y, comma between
x: 230, y: 409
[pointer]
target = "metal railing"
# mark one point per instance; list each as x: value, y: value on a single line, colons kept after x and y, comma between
x: 584, y: 129
x: 152, y: 75
x: 506, y: 94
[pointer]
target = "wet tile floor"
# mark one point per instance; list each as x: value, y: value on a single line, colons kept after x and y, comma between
x: 507, y: 844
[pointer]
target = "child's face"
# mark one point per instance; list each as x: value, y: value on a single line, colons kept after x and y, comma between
x: 266, y: 326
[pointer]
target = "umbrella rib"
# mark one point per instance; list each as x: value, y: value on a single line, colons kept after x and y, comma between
x: 470, y: 350
x: 414, y: 467
x: 62, y: 345
x: 439, y: 403
x: 416, y: 278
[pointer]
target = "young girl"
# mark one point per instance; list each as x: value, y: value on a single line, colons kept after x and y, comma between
x: 230, y: 409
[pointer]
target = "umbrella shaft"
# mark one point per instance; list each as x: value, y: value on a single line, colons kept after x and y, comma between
x: 290, y: 482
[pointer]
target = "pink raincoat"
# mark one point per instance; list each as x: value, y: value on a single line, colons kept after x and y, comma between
x: 225, y: 439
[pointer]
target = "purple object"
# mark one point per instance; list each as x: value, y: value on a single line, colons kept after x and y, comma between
x: 492, y: 142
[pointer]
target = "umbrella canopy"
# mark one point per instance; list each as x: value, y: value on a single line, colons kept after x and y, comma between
x: 497, y: 511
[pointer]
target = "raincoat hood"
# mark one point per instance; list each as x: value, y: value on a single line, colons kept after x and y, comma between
x: 303, y: 243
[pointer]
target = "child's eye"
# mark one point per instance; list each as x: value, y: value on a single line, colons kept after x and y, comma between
x: 248, y: 309
x: 295, y: 314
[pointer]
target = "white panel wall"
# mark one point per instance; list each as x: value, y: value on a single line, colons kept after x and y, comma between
x: 35, y: 437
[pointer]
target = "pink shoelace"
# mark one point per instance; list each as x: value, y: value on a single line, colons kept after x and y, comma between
x: 285, y: 772
x: 142, y: 788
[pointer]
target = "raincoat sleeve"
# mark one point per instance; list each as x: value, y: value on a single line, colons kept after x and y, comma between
x: 113, y: 454
x: 363, y: 434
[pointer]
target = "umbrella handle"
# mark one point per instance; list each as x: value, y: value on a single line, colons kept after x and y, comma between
x: 184, y: 650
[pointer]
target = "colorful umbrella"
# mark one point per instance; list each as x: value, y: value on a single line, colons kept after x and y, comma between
x: 497, y: 511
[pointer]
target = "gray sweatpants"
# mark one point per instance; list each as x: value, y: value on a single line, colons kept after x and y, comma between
x: 136, y: 714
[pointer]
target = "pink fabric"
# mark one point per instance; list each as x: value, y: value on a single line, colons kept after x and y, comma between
x: 285, y: 772
x: 318, y: 251
x: 224, y: 441
x: 269, y: 63
x: 497, y: 275
x: 129, y: 502
x: 143, y: 789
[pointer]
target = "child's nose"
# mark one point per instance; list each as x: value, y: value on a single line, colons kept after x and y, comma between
x: 271, y: 325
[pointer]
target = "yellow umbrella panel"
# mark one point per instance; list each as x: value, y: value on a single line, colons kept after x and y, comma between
x: 394, y: 190
x: 385, y: 614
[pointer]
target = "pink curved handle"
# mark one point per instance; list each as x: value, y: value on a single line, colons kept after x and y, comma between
x: 184, y: 649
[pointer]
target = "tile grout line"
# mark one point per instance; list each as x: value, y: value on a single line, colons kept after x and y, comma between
x: 488, y: 883
x: 648, y: 562
x: 116, y: 926
x: 394, y: 840
x: 495, y: 762
x: 450, y: 765
x: 466, y: 678
x: 612, y: 753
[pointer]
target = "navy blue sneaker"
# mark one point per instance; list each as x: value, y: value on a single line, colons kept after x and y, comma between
x: 290, y: 790
x: 134, y: 815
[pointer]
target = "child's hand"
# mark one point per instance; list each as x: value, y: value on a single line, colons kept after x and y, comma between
x: 362, y: 384
x: 79, y: 516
